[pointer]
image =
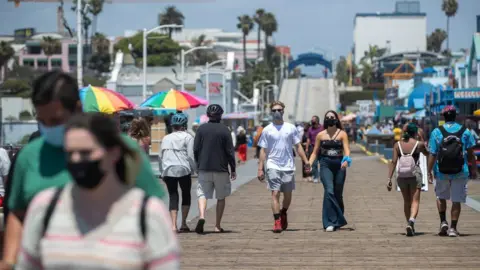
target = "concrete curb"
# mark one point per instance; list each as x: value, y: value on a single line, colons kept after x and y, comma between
x: 475, y: 205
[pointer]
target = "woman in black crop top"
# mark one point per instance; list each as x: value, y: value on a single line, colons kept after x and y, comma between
x: 331, y: 146
x: 409, y: 178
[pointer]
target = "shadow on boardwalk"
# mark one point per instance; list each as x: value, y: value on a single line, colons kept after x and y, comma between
x: 373, y: 239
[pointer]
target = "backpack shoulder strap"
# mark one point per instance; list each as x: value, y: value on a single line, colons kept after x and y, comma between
x: 400, y: 148
x: 50, y: 209
x: 143, y: 217
x: 460, y: 132
x: 414, y: 148
x: 443, y: 131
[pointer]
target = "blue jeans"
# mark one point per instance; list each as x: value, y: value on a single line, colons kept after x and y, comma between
x: 333, y: 180
x: 316, y: 169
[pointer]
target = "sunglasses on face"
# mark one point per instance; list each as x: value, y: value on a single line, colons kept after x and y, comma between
x: 331, y: 117
x: 277, y: 110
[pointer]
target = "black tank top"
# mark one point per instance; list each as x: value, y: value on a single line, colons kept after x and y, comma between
x: 331, y: 148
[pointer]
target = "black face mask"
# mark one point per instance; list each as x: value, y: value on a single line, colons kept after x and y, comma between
x: 87, y: 174
x: 314, y: 123
x: 331, y: 122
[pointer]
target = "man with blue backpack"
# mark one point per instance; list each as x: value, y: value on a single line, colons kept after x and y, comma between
x: 451, y: 148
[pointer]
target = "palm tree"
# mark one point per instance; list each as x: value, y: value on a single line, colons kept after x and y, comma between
x: 269, y: 26
x: 171, y: 15
x: 258, y: 20
x: 6, y: 53
x: 450, y: 8
x: 435, y: 40
x: 95, y: 7
x: 200, y: 57
x: 245, y: 24
x: 50, y: 46
x: 100, y: 43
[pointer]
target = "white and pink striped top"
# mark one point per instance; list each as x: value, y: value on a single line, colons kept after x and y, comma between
x: 116, y: 244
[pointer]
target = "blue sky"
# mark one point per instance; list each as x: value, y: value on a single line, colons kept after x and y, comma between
x: 303, y: 24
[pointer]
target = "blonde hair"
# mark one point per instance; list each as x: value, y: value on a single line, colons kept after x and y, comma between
x: 277, y: 102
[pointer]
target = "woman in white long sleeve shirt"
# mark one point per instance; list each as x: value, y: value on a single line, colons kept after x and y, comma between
x: 176, y: 167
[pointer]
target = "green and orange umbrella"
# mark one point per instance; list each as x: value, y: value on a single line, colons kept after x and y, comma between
x: 174, y: 100
x: 98, y: 99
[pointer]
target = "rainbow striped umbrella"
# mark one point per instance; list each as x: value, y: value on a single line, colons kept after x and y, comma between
x: 98, y: 99
x: 174, y: 99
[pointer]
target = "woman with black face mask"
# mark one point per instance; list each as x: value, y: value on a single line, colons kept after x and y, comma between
x: 99, y: 220
x: 331, y: 145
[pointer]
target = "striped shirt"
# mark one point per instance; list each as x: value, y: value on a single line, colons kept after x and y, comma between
x: 115, y: 244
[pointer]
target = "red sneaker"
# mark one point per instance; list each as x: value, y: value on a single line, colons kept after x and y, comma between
x: 277, y: 226
x: 284, y: 221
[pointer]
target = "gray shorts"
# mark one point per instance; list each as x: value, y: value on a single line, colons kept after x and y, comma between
x: 213, y: 181
x: 283, y: 181
x: 411, y: 182
x: 454, y: 190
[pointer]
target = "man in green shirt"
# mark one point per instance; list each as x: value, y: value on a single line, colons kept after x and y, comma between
x: 42, y: 163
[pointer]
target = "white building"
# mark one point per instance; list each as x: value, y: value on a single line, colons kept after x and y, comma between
x: 400, y: 31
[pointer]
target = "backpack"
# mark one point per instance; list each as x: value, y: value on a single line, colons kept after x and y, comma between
x: 56, y: 196
x: 450, y: 155
x: 406, y: 163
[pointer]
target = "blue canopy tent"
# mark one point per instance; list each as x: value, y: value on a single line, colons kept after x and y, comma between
x: 416, y: 99
x: 429, y: 70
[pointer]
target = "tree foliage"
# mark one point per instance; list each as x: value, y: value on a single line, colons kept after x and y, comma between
x: 435, y: 40
x: 16, y: 88
x: 449, y: 7
x: 6, y: 52
x: 161, y: 50
x: 343, y: 71
x: 25, y: 115
x: 200, y: 57
x: 245, y: 24
x: 171, y: 15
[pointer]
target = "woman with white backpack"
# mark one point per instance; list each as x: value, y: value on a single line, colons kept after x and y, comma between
x: 409, y: 176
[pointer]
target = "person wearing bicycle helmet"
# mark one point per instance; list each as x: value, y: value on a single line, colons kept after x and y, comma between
x: 176, y: 167
x: 214, y: 152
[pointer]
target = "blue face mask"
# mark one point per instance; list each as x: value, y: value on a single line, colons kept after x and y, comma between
x: 53, y: 135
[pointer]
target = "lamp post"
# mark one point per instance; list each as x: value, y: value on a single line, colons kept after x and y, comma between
x: 268, y: 88
x: 207, y: 79
x: 145, y: 34
x: 79, y: 45
x: 255, y: 84
x: 182, y: 78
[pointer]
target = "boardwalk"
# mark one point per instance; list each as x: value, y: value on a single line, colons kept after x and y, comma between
x: 373, y: 239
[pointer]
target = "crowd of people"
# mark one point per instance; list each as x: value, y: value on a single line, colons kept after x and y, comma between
x: 82, y: 191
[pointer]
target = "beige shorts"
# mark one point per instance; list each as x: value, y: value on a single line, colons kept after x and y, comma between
x: 208, y: 182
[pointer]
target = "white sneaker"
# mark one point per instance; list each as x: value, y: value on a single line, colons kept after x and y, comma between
x: 330, y: 229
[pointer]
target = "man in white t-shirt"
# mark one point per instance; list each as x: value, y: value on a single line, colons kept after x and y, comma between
x: 276, y: 142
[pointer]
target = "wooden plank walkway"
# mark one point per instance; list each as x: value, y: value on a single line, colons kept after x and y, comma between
x: 373, y: 239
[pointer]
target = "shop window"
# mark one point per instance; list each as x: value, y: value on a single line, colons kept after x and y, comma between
x: 56, y: 63
x: 28, y: 63
x: 34, y: 49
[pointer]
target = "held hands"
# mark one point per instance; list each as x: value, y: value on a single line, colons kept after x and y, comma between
x: 307, y: 168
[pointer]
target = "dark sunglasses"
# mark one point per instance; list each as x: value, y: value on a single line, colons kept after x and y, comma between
x: 277, y: 110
